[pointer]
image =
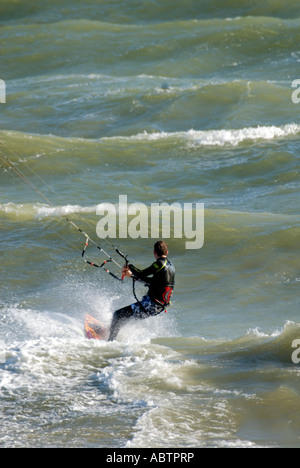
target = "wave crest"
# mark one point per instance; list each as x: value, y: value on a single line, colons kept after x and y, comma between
x: 223, y: 137
x: 40, y: 211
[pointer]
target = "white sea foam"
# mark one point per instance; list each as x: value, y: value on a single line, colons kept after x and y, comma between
x: 223, y: 137
x: 41, y: 211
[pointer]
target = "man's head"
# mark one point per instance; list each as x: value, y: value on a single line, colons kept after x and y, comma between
x: 160, y: 249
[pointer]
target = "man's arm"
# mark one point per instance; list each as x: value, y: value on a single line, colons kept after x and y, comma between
x: 142, y: 274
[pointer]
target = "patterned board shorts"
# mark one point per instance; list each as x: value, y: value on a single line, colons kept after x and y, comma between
x: 145, y: 308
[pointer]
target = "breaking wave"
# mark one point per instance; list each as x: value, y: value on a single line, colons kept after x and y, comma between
x: 233, y: 137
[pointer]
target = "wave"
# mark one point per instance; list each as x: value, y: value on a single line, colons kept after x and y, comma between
x: 192, y: 138
x: 233, y: 137
x: 237, y: 234
x: 40, y: 211
x: 238, y: 219
x: 255, y: 346
x: 145, y: 102
x: 263, y: 347
x: 212, y: 28
x: 277, y: 346
x: 165, y: 47
x: 134, y: 11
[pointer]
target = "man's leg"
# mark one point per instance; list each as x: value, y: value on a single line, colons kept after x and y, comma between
x: 120, y: 318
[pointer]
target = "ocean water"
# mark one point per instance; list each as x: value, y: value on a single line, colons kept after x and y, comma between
x: 175, y: 102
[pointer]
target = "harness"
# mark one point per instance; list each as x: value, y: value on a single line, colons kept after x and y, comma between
x: 162, y: 305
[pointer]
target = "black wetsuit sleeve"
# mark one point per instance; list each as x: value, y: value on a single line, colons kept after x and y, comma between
x: 143, y: 274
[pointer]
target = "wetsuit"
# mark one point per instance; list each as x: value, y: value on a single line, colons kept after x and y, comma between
x: 161, y: 279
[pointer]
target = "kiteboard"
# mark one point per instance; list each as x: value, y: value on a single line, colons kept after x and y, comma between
x: 95, y: 330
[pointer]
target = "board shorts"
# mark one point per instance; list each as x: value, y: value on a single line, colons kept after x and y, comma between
x: 145, y: 308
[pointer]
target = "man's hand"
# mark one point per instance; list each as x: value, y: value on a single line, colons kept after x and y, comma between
x: 126, y: 272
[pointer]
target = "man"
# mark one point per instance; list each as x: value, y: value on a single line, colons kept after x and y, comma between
x: 161, y: 279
